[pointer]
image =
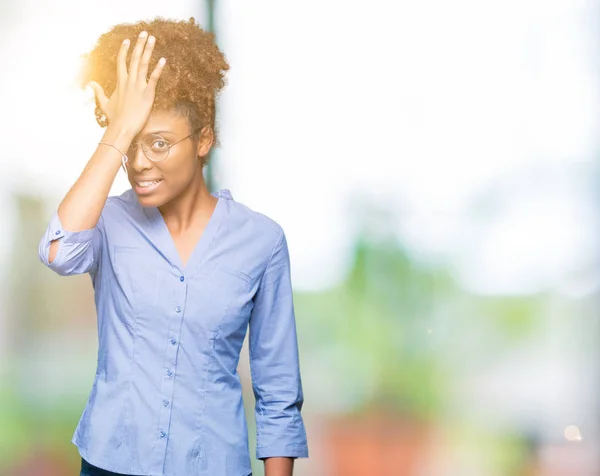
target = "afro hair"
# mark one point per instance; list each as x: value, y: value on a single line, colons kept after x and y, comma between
x: 191, y: 79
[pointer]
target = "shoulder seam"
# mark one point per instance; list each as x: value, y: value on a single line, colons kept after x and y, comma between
x: 277, y: 243
x: 258, y: 216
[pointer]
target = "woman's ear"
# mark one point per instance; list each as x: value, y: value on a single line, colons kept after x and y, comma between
x: 205, y: 142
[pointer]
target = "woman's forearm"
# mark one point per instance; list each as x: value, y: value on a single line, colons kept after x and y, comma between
x: 279, y: 466
x: 83, y: 204
x: 81, y: 207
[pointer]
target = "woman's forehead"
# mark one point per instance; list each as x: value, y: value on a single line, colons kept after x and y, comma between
x: 161, y: 121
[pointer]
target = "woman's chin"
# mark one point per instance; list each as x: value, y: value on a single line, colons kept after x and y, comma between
x: 153, y: 200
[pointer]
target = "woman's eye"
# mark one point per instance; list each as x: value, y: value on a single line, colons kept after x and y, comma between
x: 159, y: 144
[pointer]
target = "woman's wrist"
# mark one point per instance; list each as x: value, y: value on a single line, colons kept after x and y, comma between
x: 119, y: 136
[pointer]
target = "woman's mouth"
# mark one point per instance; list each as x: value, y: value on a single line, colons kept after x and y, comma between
x: 147, y: 186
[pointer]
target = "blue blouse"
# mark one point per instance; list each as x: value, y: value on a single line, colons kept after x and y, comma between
x: 166, y: 398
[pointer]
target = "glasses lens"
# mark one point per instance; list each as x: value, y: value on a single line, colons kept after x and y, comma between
x: 155, y: 147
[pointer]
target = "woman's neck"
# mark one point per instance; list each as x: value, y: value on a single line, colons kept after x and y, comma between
x: 191, y: 207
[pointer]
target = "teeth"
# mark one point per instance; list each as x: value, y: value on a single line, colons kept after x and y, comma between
x: 147, y: 184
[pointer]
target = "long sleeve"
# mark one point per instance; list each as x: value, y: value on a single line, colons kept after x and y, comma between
x: 78, y: 251
x: 274, y: 363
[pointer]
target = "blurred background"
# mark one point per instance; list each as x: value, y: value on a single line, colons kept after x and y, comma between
x: 435, y: 167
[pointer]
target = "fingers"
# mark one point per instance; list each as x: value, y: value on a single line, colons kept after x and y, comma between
x: 156, y: 74
x: 143, y: 69
x: 122, y: 63
x: 100, y: 96
x: 134, y: 62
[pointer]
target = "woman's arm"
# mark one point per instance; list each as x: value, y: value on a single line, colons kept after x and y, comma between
x: 79, y: 212
x: 279, y: 466
x: 275, y: 369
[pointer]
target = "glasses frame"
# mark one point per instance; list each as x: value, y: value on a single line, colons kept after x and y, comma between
x: 135, y: 145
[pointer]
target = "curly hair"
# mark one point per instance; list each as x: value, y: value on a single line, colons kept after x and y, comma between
x: 191, y: 79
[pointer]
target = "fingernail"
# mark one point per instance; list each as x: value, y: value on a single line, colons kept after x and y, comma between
x: 151, y: 40
x: 143, y: 34
x: 162, y: 61
x: 126, y: 41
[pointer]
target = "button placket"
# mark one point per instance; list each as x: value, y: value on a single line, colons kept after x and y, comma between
x: 170, y: 365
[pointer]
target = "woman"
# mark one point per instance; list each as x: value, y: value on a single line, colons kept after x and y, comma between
x: 179, y: 274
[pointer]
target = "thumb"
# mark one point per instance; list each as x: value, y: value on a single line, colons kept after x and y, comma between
x: 99, y: 93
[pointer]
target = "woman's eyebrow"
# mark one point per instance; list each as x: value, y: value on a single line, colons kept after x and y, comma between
x: 140, y: 135
x: 159, y: 132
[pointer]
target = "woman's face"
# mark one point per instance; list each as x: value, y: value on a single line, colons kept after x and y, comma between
x: 157, y: 183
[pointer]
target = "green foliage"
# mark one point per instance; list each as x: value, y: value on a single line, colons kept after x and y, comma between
x: 384, y: 333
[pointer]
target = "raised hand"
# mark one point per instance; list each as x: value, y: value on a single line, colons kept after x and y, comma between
x: 131, y: 103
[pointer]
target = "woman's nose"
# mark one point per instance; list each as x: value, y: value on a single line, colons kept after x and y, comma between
x: 138, y: 160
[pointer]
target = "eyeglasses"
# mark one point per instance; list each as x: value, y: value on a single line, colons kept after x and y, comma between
x: 155, y: 147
